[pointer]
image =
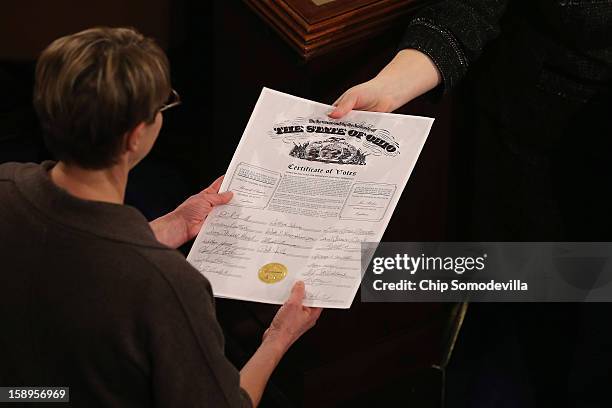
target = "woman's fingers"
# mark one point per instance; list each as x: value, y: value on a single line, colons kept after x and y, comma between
x: 344, y: 105
x: 297, y: 294
x: 219, y: 199
x: 214, y: 187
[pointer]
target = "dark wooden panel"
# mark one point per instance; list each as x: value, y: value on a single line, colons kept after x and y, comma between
x: 313, y: 30
x: 312, y: 13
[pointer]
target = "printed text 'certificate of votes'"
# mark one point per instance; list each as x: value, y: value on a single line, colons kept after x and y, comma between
x: 307, y: 191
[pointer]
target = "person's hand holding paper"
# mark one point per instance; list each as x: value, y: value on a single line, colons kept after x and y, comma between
x: 184, y: 223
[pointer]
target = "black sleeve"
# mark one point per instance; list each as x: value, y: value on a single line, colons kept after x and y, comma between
x: 453, y: 33
x: 189, y: 367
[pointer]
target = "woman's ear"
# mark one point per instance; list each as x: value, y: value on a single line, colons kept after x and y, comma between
x: 133, y: 138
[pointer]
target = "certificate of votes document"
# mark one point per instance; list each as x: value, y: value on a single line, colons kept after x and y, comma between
x: 307, y: 191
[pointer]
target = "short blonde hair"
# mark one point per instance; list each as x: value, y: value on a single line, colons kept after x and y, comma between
x: 94, y: 86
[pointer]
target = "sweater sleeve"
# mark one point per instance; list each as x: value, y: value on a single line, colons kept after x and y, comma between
x: 189, y: 367
x: 453, y: 34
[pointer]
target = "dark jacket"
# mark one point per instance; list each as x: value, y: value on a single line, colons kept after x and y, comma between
x: 91, y: 301
x: 540, y: 71
x: 568, y: 42
x: 531, y: 164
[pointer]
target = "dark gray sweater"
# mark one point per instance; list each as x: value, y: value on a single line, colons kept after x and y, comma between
x: 567, y: 45
x: 91, y: 300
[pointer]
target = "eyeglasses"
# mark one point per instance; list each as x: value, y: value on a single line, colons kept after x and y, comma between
x: 173, y: 100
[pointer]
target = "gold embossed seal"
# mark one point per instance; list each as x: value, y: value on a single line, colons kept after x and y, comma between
x: 272, y: 272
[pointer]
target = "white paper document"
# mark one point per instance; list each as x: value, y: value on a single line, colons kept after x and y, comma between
x: 307, y: 191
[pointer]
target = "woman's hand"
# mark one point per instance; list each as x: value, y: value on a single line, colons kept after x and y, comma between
x: 375, y: 95
x: 292, y: 319
x: 410, y: 74
x: 184, y: 223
